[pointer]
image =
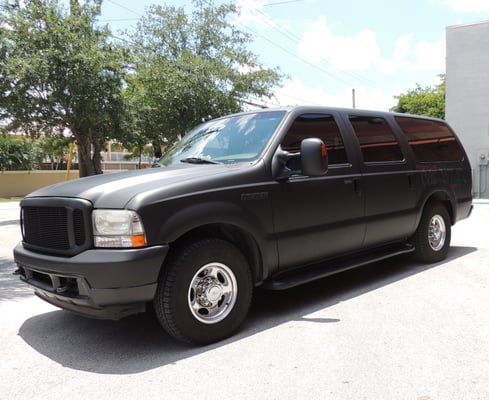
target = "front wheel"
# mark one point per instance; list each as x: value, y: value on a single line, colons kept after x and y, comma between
x: 205, y: 291
x: 432, y: 238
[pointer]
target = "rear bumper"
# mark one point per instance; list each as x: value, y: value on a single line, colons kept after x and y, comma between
x: 98, y: 283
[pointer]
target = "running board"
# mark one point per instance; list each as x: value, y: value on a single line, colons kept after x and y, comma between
x: 311, y: 273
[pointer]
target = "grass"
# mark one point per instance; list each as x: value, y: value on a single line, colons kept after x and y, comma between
x: 7, y: 199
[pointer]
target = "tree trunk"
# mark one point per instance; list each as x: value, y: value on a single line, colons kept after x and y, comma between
x: 88, y: 164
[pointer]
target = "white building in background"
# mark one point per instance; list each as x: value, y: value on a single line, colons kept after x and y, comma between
x: 467, y: 96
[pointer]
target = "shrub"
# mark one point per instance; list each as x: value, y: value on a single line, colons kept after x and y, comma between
x: 19, y: 153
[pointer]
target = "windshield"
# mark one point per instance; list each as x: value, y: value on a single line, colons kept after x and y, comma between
x: 226, y: 140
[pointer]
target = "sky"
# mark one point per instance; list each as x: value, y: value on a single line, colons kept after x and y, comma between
x: 330, y: 49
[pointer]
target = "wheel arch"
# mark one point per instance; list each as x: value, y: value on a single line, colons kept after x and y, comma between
x: 239, y: 237
x: 439, y: 196
x: 249, y: 228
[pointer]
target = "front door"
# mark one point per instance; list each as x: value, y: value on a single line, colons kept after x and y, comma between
x: 318, y: 217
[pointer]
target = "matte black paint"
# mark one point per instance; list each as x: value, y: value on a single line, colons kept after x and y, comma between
x: 290, y: 222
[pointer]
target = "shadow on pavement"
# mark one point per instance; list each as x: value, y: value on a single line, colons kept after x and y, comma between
x: 138, y: 343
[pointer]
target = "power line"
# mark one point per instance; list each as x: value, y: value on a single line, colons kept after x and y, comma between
x: 317, y: 67
x: 297, y: 40
x: 283, y: 2
x: 271, y: 24
x: 125, y: 8
x: 119, y: 20
x: 285, y: 32
x: 298, y: 98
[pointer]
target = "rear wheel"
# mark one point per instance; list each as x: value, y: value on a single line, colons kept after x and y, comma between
x: 432, y: 238
x: 205, y: 292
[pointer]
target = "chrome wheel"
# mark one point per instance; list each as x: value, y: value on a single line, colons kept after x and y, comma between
x: 437, y: 232
x: 205, y: 291
x: 432, y: 237
x: 212, y: 293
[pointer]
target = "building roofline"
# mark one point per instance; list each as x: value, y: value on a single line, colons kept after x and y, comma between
x: 468, y: 24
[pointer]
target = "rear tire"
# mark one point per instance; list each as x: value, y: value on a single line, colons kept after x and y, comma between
x: 204, y: 292
x: 432, y: 238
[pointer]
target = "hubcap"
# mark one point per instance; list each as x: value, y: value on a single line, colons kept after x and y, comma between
x: 437, y: 233
x: 212, y: 293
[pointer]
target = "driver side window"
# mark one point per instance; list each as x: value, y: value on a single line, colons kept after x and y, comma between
x: 321, y: 126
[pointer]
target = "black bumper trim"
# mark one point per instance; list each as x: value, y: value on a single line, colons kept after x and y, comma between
x: 86, y: 307
x: 98, y: 283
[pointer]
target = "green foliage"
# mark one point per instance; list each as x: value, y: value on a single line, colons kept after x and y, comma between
x: 19, y: 153
x: 55, y: 148
x: 429, y: 101
x: 58, y: 71
x: 190, y: 66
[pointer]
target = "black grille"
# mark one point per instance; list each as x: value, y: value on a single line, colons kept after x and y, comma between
x: 46, y: 227
x: 79, y: 227
x: 58, y: 229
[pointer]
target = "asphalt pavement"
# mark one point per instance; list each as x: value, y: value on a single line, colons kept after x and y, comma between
x: 396, y: 329
x: 9, y: 213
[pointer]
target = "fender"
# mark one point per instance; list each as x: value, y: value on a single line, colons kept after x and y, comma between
x: 189, y: 214
x: 439, y: 193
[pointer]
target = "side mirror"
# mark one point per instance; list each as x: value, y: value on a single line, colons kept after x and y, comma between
x: 314, y: 157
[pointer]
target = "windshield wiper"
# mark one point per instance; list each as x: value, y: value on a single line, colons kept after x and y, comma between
x: 197, y: 160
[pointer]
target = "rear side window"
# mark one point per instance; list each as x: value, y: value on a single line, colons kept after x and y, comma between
x: 376, y: 139
x: 430, y: 140
x: 321, y: 126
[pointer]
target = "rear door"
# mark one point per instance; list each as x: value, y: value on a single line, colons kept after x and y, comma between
x: 318, y: 217
x: 390, y: 191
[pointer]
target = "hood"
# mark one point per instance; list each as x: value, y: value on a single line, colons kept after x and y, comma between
x: 115, y: 190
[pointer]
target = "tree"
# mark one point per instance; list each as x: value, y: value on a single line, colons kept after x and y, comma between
x: 19, y: 153
x: 191, y: 66
x: 429, y: 101
x: 59, y: 72
x: 55, y: 148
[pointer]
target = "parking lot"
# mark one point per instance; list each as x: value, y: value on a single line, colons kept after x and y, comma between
x: 393, y: 330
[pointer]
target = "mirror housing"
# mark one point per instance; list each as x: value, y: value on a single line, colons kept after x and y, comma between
x: 314, y: 157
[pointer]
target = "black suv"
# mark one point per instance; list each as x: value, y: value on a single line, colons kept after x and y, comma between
x: 275, y: 197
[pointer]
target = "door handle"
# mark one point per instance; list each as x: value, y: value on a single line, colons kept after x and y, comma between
x: 410, y: 181
x: 356, y: 184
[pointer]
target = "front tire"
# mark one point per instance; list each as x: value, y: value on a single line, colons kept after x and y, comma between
x: 432, y: 238
x: 204, y: 292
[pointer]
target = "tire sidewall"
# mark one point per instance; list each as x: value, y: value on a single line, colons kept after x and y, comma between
x: 195, y: 256
x: 423, y: 251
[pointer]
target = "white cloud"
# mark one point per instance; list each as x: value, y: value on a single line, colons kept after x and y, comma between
x: 430, y: 56
x: 469, y: 5
x: 343, y: 52
x: 362, y: 51
x: 374, y: 99
x: 294, y: 92
x: 401, y: 50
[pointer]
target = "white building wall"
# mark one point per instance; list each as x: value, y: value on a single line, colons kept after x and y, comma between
x: 467, y: 95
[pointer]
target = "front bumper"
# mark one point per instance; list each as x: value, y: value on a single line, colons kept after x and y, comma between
x: 99, y: 283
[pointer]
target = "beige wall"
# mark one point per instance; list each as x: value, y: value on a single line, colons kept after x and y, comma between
x: 20, y: 183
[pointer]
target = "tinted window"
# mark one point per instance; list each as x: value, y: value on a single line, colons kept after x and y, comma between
x: 240, y: 137
x: 322, y: 126
x: 376, y: 139
x: 430, y: 140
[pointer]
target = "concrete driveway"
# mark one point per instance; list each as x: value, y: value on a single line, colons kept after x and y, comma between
x: 393, y: 330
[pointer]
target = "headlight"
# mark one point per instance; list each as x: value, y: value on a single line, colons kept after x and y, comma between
x: 117, y: 228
